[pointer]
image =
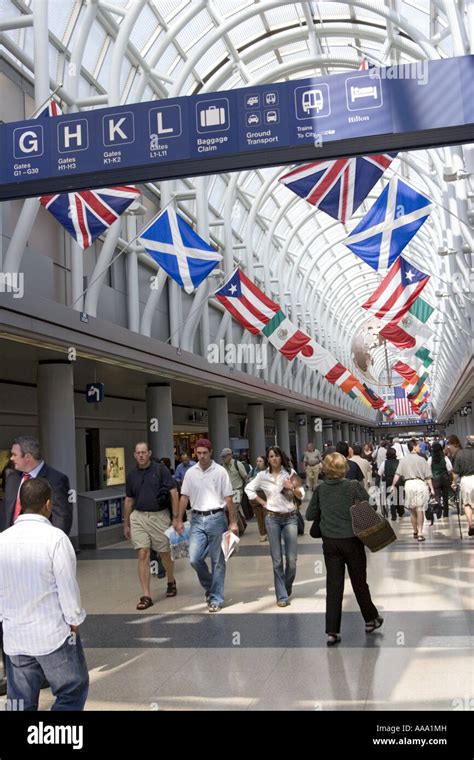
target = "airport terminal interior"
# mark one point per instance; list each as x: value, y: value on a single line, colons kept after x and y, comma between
x: 322, y: 300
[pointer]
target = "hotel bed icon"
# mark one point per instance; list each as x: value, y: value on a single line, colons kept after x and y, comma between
x: 363, y: 92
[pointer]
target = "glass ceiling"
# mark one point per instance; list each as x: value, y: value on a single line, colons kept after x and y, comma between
x: 181, y: 48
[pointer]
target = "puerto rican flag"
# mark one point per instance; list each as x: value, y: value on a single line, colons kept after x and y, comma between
x: 88, y: 213
x: 339, y: 186
x: 400, y: 287
x: 247, y: 303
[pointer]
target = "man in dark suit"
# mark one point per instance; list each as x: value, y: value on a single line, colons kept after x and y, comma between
x: 26, y: 456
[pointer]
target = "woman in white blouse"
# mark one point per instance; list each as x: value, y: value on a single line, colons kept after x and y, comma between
x: 280, y: 484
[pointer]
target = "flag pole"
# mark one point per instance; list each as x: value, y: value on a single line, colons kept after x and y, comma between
x: 122, y: 250
x: 40, y: 108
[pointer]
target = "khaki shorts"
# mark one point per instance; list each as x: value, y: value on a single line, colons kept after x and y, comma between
x: 148, y: 530
x: 467, y: 490
x: 417, y: 495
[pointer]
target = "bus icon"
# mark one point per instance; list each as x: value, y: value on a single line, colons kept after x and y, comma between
x: 312, y: 100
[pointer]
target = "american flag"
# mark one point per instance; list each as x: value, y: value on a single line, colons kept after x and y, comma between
x: 247, y: 303
x: 88, y: 213
x: 400, y: 287
x: 402, y: 405
x: 339, y: 186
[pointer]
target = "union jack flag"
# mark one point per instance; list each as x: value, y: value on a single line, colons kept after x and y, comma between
x: 88, y: 213
x: 339, y: 186
x: 51, y: 108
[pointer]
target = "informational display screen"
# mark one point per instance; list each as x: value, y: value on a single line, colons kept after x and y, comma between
x: 415, y: 105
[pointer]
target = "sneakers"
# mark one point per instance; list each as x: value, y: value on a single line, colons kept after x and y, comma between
x: 373, y: 624
x: 214, y: 607
x: 283, y: 603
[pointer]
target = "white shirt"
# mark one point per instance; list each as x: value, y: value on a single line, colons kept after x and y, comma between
x: 366, y: 469
x: 207, y: 489
x: 272, y: 487
x: 39, y: 595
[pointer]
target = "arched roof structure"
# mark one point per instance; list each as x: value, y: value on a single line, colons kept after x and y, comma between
x: 123, y: 51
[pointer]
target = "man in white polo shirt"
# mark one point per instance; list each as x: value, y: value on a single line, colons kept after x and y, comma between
x: 209, y: 487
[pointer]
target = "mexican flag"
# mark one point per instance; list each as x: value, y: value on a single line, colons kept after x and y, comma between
x: 413, y: 331
x: 285, y: 336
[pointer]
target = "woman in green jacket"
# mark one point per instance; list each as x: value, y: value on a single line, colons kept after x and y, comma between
x: 332, y: 500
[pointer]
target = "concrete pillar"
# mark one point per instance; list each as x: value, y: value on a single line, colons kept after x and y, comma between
x: 256, y: 431
x: 159, y: 411
x: 57, y: 425
x: 218, y: 425
x: 345, y: 432
x: 327, y: 431
x: 301, y: 438
x: 318, y: 441
x: 282, y: 430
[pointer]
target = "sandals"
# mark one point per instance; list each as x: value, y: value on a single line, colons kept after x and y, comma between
x: 421, y: 538
x: 415, y: 534
x: 373, y: 624
x: 171, y: 589
x: 144, y: 603
x: 333, y: 639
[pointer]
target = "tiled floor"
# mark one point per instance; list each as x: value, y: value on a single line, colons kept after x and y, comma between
x: 255, y: 656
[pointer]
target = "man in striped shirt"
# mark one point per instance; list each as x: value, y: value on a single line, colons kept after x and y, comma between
x: 40, y: 606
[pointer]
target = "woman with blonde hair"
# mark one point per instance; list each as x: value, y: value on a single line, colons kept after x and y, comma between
x: 332, y: 500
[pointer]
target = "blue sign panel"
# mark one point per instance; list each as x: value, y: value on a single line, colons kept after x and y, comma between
x: 95, y: 393
x: 423, y: 104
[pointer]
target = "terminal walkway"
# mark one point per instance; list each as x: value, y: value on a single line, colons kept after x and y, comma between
x: 255, y: 656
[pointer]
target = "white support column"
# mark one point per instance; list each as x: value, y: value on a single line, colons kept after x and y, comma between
x: 301, y: 430
x: 256, y: 431
x: 283, y: 430
x: 218, y: 425
x: 159, y: 408
x: 57, y: 425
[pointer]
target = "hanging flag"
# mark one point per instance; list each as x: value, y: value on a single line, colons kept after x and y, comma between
x: 174, y: 245
x: 400, y: 287
x: 376, y: 401
x: 402, y: 404
x: 51, y: 108
x: 405, y: 371
x: 389, y: 225
x: 88, y: 213
x: 285, y: 336
x: 413, y: 330
x: 259, y: 314
x: 424, y: 356
x: 248, y: 304
x: 339, y: 186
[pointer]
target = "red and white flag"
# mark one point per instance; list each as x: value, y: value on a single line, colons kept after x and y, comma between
x: 400, y: 287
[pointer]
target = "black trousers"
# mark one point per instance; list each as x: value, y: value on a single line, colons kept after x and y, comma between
x: 441, y: 488
x: 339, y: 552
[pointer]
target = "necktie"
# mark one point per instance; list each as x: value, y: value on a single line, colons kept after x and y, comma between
x: 26, y: 476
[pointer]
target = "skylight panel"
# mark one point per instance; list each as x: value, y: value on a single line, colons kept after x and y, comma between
x: 191, y: 33
x: 95, y: 42
x: 145, y: 26
x: 58, y: 16
x: 247, y: 31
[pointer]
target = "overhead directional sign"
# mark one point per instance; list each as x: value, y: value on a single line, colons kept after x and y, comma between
x: 382, y: 109
x: 95, y: 393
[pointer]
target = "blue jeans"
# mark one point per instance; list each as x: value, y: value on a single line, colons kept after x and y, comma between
x: 205, y: 538
x: 285, y: 528
x: 65, y: 669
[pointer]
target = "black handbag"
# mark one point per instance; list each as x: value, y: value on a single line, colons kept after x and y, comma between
x: 372, y: 529
x: 300, y: 520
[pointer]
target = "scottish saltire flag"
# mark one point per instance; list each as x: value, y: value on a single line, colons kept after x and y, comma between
x: 339, y: 186
x: 402, y: 405
x: 389, y: 225
x: 174, y: 245
x: 248, y: 304
x: 400, y: 287
x: 88, y: 213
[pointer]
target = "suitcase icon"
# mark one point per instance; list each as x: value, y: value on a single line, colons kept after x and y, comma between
x: 212, y: 116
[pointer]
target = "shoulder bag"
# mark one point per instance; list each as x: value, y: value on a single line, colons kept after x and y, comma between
x: 372, y: 529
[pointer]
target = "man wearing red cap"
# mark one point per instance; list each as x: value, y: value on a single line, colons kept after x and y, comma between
x: 210, y: 490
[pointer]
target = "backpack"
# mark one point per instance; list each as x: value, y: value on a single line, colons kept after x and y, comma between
x: 239, y: 470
